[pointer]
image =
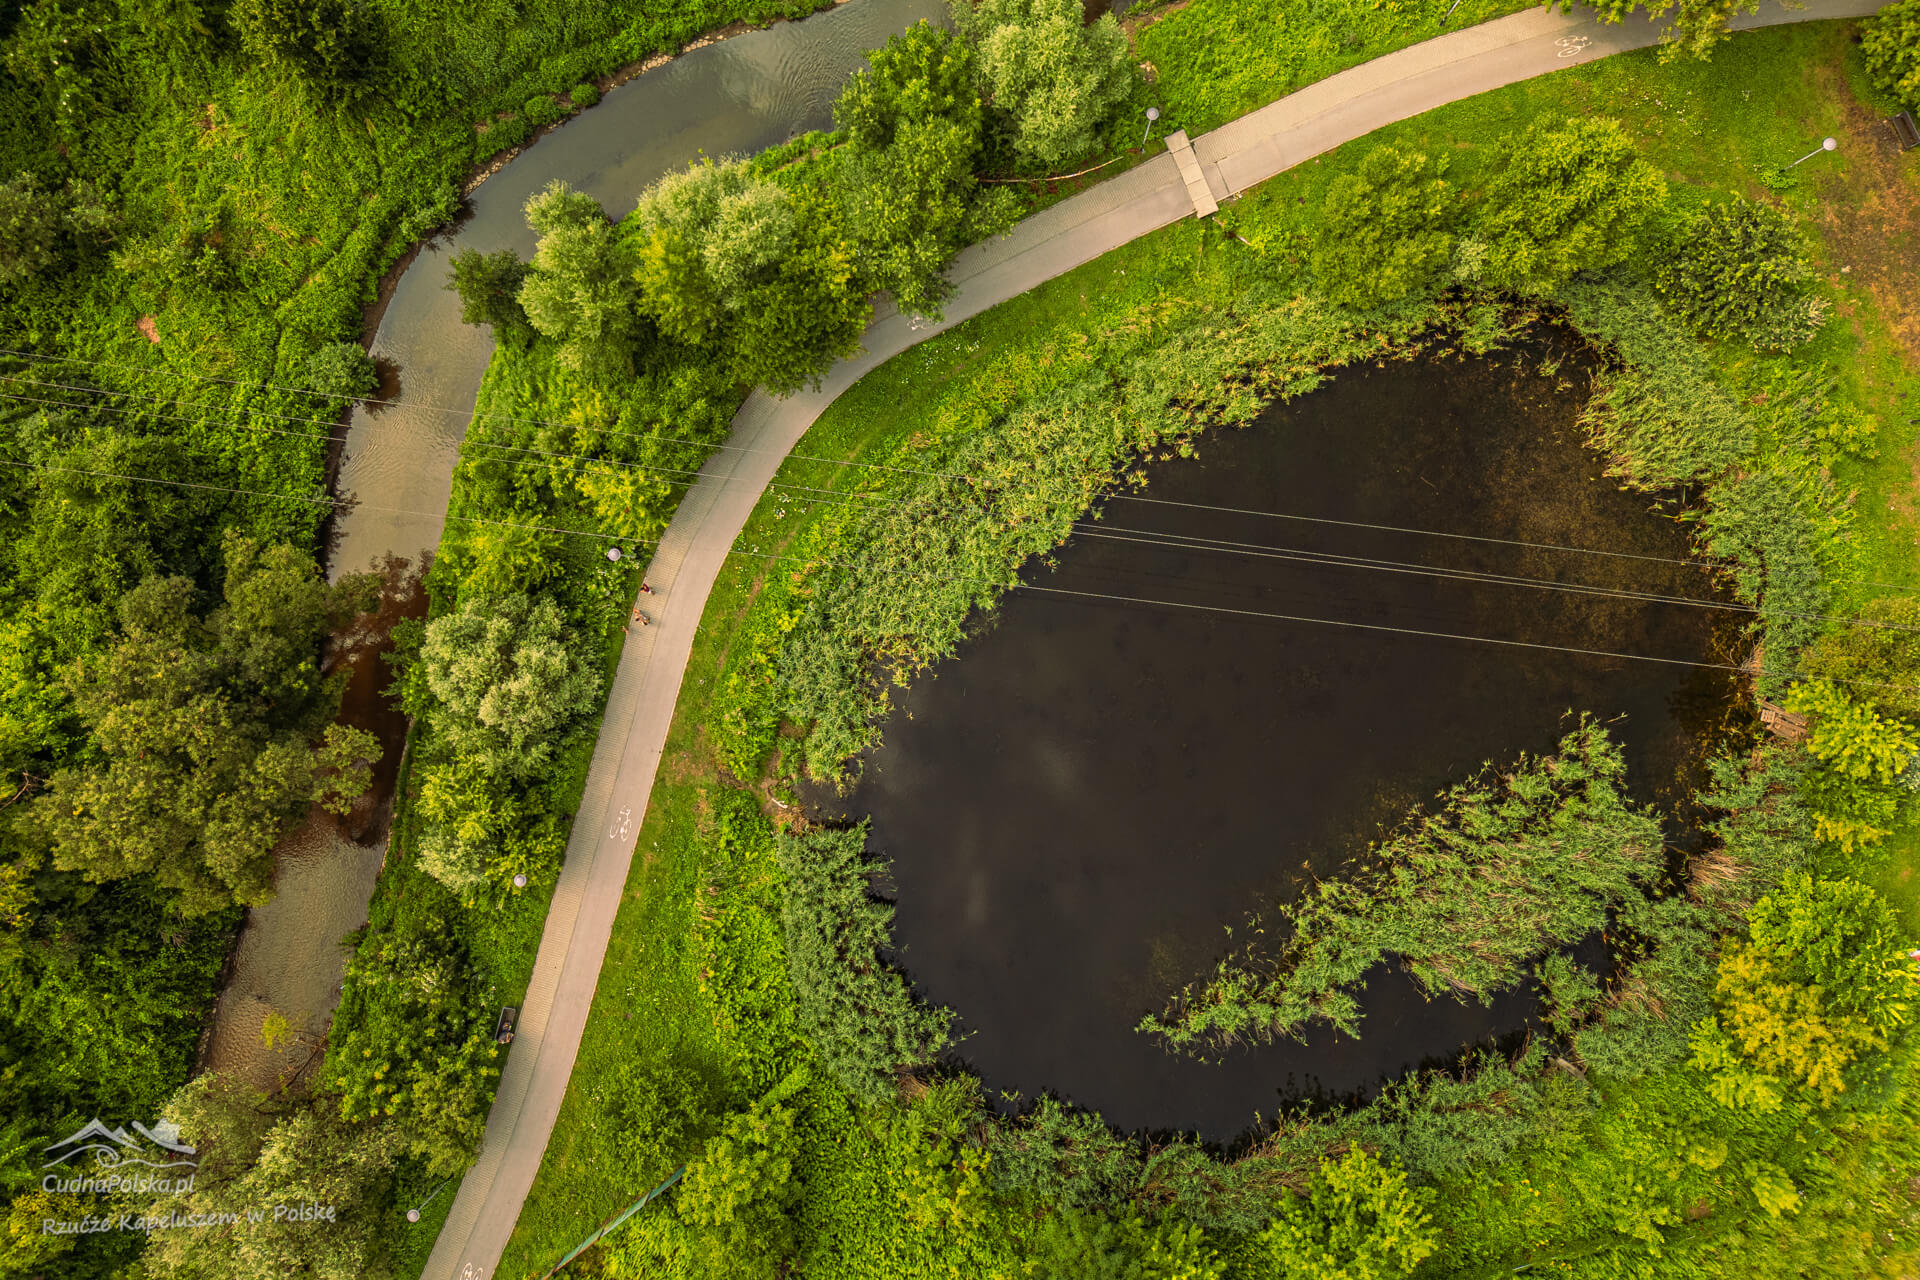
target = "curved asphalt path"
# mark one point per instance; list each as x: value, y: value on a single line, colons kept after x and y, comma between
x: 640, y: 707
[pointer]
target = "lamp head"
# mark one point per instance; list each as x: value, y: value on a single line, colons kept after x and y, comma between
x: 1153, y: 113
x: 1829, y: 144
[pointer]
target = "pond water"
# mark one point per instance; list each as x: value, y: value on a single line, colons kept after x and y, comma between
x: 1078, y: 803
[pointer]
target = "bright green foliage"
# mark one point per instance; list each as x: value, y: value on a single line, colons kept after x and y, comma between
x: 1878, y: 658
x: 1760, y: 526
x: 256, y: 1152
x: 808, y: 313
x: 744, y: 963
x: 1821, y: 983
x: 206, y: 731
x: 584, y: 95
x: 489, y: 289
x: 1891, y: 46
x: 480, y: 830
x: 42, y: 229
x: 1049, y: 79
x: 577, y: 289
x: 1567, y: 196
x: 1865, y: 762
x: 1507, y: 869
x: 1694, y: 28
x: 341, y: 371
x: 1383, y: 230
x: 1358, y: 1221
x: 859, y: 1015
x: 914, y: 122
x: 510, y: 681
x: 328, y: 44
x: 412, y: 1041
x: 1739, y: 269
x: 738, y: 1194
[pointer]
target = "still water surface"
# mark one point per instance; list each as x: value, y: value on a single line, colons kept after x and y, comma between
x: 1079, y: 802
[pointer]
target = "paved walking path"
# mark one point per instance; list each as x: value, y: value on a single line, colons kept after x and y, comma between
x: 639, y: 710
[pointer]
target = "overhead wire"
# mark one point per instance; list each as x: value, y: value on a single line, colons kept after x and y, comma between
x: 846, y: 462
x: 1015, y: 585
x: 1151, y: 537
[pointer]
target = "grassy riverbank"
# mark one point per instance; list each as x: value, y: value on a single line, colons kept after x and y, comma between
x: 1595, y: 1192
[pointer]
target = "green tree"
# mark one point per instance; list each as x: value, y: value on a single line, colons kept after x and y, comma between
x: 1568, y: 196
x: 327, y: 44
x: 907, y: 181
x: 1383, y: 230
x: 211, y: 734
x: 811, y: 312
x: 1891, y: 46
x: 738, y: 1193
x: 1694, y: 28
x: 1817, y: 990
x: 511, y: 681
x: 1050, y: 80
x: 579, y: 289
x: 489, y: 289
x: 1358, y: 1221
x: 43, y: 229
x: 341, y: 371
x: 258, y: 1152
x: 1740, y: 270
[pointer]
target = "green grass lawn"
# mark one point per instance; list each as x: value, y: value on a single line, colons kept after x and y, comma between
x: 1707, y: 126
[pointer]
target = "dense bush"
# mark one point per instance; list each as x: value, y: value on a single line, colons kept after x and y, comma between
x: 341, y: 371
x: 1864, y: 776
x: 42, y: 229
x: 859, y: 1014
x: 489, y: 289
x: 1358, y: 1221
x: 1382, y: 231
x: 1568, y: 196
x: 1050, y: 79
x: 578, y: 289
x: 1878, y: 655
x: 1509, y: 867
x: 328, y: 44
x: 1740, y: 270
x: 1891, y: 45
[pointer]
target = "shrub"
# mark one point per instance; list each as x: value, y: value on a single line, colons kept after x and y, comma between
x: 1358, y: 1221
x: 42, y: 229
x: 579, y: 289
x: 1050, y: 80
x: 1809, y: 999
x: 1879, y: 655
x: 1383, y: 230
x: 860, y: 1015
x: 1060, y: 1156
x: 1865, y: 759
x: 327, y: 44
x: 1569, y: 196
x: 543, y: 109
x: 1740, y: 270
x: 1891, y: 46
x: 341, y: 371
x: 584, y: 95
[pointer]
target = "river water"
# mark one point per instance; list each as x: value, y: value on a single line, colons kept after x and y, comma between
x: 738, y: 95
x: 1078, y: 802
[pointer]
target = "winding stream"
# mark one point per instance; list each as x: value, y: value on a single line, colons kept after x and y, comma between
x: 738, y: 95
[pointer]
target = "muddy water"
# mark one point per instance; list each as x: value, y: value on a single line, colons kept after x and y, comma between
x: 1081, y: 800
x: 738, y: 95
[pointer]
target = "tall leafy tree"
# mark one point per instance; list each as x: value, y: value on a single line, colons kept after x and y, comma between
x: 329, y: 45
x: 1740, y: 270
x: 210, y: 733
x: 579, y: 289
x: 509, y: 679
x: 489, y: 289
x: 1568, y: 196
x: 1050, y: 79
x: 1358, y: 1221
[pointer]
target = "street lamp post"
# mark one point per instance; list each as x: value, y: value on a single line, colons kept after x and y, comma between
x: 1826, y: 144
x: 1153, y: 113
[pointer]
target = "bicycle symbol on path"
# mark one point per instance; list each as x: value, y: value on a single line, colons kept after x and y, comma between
x: 622, y: 821
x: 1570, y: 46
x: 470, y: 1272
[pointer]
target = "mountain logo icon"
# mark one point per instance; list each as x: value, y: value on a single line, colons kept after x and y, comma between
x: 158, y: 1147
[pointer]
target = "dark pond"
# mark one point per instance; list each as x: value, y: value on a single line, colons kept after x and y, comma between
x: 1079, y: 802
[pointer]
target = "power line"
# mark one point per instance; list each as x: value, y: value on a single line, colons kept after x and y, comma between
x: 1147, y: 537
x: 1015, y: 585
x: 845, y: 462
